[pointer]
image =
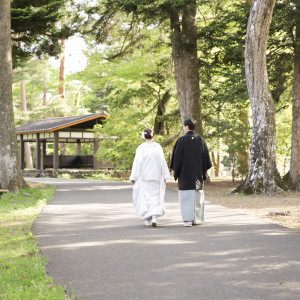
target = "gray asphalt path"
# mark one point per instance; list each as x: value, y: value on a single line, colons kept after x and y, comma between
x: 98, y: 249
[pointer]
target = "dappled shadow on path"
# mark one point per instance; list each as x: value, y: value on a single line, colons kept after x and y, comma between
x: 95, y: 244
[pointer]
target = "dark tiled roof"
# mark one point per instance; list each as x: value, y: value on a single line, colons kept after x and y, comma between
x: 49, y: 125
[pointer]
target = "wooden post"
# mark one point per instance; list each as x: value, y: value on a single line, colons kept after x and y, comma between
x: 22, y: 152
x: 55, y: 153
x: 96, y: 163
x: 43, y: 154
x: 38, y: 152
x: 78, y: 147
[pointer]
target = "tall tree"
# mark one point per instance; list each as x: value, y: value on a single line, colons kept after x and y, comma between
x: 184, y: 52
x: 159, y: 124
x: 10, y: 172
x: 261, y: 175
x: 62, y: 76
x: 181, y: 17
x: 222, y: 39
x: 24, y: 115
x: 295, y: 153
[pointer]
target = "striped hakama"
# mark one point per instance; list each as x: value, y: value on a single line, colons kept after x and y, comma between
x: 192, y: 205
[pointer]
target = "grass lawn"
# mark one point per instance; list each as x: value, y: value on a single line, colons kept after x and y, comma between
x: 22, y: 268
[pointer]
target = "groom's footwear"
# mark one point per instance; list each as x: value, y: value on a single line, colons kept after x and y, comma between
x: 187, y: 224
x: 194, y: 223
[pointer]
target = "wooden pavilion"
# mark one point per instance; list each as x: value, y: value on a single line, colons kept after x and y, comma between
x: 74, y: 129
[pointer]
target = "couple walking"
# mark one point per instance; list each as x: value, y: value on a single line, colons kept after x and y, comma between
x: 190, y: 162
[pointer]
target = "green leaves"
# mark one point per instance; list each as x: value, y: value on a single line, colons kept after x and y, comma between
x: 36, y: 28
x: 129, y: 73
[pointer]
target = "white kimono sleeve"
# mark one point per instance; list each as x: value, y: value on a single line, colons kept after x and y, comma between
x: 135, y: 175
x: 135, y: 171
x: 164, y: 166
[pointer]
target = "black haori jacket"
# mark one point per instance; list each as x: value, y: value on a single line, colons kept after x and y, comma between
x: 190, y: 161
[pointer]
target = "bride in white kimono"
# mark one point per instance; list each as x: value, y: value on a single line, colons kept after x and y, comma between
x: 148, y: 176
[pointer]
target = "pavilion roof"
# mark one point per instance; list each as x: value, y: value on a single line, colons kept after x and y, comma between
x: 55, y: 124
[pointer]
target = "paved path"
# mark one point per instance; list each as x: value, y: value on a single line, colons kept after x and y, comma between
x: 97, y: 248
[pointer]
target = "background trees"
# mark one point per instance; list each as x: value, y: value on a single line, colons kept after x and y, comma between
x: 10, y: 174
x: 139, y: 91
x: 34, y: 28
x: 144, y: 61
x: 295, y: 155
x: 181, y: 17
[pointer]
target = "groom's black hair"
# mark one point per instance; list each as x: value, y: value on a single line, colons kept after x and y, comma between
x: 190, y: 123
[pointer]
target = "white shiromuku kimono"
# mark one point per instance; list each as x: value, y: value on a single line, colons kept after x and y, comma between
x: 149, y: 170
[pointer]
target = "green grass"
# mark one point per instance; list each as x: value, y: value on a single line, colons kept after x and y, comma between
x: 22, y: 268
x: 102, y: 176
x: 64, y: 176
x: 98, y: 176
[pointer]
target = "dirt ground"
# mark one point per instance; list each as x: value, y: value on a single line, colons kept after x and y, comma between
x: 283, y: 209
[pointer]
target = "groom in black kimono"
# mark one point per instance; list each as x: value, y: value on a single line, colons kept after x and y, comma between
x: 190, y: 162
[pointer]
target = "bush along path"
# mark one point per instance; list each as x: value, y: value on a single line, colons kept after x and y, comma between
x: 22, y: 268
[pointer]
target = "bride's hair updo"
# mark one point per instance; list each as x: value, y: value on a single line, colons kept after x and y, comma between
x: 148, y: 133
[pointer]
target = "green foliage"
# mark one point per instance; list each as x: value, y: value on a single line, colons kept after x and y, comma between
x: 131, y: 74
x: 122, y: 135
x: 132, y: 87
x: 221, y: 32
x: 35, y: 28
x: 103, y: 176
x: 281, y: 42
x: 38, y: 26
x: 36, y: 73
x: 283, y: 137
x: 103, y: 15
x: 22, y: 269
x: 64, y: 176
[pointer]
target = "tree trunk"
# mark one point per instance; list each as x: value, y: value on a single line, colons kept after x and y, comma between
x: 261, y: 176
x: 184, y: 53
x: 243, y: 155
x: 28, y: 156
x: 295, y: 153
x: 62, y: 77
x: 216, y: 163
x: 45, y: 92
x: 10, y: 172
x: 158, y: 123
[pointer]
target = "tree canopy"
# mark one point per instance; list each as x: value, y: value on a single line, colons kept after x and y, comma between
x: 36, y: 29
x: 131, y: 71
